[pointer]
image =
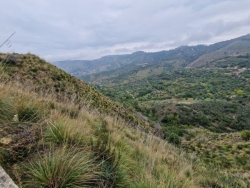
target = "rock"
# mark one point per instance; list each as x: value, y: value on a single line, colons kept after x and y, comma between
x: 5, y: 140
x: 5, y: 180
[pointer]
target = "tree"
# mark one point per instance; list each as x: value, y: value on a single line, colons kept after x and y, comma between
x: 174, y: 139
x: 245, y: 135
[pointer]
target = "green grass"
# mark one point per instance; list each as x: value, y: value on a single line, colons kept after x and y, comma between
x: 6, y: 110
x: 62, y: 168
x: 61, y: 133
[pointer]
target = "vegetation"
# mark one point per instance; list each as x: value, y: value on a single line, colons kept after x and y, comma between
x: 29, y: 70
x: 245, y: 135
x: 213, y: 98
x: 62, y: 141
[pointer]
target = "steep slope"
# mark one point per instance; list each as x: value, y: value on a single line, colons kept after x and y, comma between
x: 44, y: 145
x: 34, y: 72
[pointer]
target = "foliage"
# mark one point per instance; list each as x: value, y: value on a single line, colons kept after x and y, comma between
x: 174, y: 139
x: 204, y: 96
x: 245, y: 135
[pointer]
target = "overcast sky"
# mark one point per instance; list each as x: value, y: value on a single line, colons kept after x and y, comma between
x: 88, y: 29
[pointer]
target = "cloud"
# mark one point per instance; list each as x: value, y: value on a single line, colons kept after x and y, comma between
x: 62, y: 29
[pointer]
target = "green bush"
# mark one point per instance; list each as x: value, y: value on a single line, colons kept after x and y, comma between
x: 245, y: 135
x: 174, y: 139
x: 171, y: 120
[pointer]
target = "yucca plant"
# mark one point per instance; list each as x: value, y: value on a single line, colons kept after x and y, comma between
x: 62, y: 168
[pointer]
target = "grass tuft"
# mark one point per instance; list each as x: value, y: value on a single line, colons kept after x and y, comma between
x: 62, y: 132
x: 62, y: 168
x: 6, y: 110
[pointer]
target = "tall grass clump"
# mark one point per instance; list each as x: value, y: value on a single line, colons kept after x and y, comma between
x: 62, y: 168
x: 29, y: 111
x: 116, y: 168
x: 6, y: 110
x: 62, y: 133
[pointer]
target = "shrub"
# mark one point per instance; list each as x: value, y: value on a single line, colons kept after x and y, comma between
x: 245, y: 135
x: 174, y: 139
x: 171, y: 119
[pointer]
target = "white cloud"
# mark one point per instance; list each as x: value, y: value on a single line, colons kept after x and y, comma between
x: 62, y: 29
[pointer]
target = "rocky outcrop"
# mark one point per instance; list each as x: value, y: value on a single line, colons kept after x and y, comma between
x: 5, y: 180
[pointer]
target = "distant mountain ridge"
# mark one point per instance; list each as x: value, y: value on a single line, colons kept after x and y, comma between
x: 181, y: 57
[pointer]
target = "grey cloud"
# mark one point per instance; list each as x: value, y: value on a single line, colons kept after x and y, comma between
x: 63, y: 29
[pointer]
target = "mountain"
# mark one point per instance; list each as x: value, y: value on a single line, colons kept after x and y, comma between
x: 58, y: 131
x: 184, y: 56
x: 234, y: 47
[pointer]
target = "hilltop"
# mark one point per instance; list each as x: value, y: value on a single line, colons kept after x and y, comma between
x: 57, y: 132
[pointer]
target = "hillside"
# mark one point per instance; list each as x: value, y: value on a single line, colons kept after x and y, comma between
x: 46, y: 144
x: 234, y: 47
x: 155, y: 62
x: 34, y: 72
x: 214, y: 98
x: 130, y: 61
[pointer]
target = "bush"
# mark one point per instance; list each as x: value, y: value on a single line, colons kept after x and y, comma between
x: 174, y: 139
x: 245, y: 135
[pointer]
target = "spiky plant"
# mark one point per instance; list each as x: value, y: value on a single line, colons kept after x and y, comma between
x: 62, y: 168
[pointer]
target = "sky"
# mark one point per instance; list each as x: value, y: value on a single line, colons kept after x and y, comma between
x: 89, y: 29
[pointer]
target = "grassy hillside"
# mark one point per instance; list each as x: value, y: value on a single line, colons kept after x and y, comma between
x: 31, y: 71
x: 44, y: 144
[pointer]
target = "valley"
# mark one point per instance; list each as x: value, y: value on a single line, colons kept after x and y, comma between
x: 198, y: 96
